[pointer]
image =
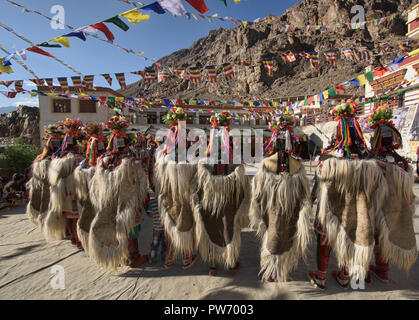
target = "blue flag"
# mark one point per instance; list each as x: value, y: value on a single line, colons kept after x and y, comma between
x: 156, y: 7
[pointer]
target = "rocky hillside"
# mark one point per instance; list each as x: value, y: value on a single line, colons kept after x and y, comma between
x: 259, y: 41
x: 24, y: 123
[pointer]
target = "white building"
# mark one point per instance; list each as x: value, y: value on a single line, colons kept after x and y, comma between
x: 53, y: 109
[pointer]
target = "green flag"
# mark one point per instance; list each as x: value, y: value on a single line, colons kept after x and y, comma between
x: 369, y: 76
x: 225, y: 2
x: 332, y: 92
x: 48, y: 45
x: 118, y: 22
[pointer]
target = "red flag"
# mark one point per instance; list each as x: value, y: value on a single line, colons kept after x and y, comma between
x: 40, y: 51
x: 102, y: 27
x: 198, y: 5
x: 340, y: 88
x: 380, y: 71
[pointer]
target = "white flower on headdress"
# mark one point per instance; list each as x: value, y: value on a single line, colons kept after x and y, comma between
x: 344, y: 106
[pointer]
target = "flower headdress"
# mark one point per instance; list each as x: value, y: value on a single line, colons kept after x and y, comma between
x: 74, y: 127
x: 175, y: 115
x: 282, y: 122
x: 117, y: 123
x: 54, y: 131
x: 346, y: 109
x: 382, y: 114
x: 93, y: 129
x: 222, y: 119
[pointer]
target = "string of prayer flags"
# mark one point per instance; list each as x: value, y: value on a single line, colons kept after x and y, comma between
x: 244, y: 63
x: 138, y: 73
x: 150, y: 77
x: 195, y: 75
x: 134, y: 16
x: 156, y: 7
x: 6, y: 83
x: 64, y: 84
x: 288, y: 56
x: 331, y: 57
x: 314, y: 59
x: 163, y: 76
x: 405, y: 46
x: 121, y: 79
x: 88, y: 81
x: 384, y: 46
x: 174, y: 6
x: 107, y: 78
x: 6, y: 61
x: 19, y: 85
x: 269, y: 65
x: 77, y: 83
x: 48, y: 45
x: 21, y: 54
x: 364, y: 53
x: 349, y: 53
x: 38, y: 82
x: 50, y: 82
x: 118, y: 22
x: 39, y: 51
x: 104, y: 29
x: 199, y: 5
x: 228, y: 71
x: 212, y: 74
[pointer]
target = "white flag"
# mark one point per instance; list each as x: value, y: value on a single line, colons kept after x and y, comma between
x: 174, y: 6
x: 21, y: 54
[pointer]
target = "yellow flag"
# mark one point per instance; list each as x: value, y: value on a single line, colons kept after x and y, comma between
x: 362, y: 80
x: 134, y: 16
x: 33, y: 94
x: 326, y: 94
x: 63, y: 40
x: 236, y: 1
x: 6, y: 69
x: 139, y: 53
x: 413, y: 53
x: 119, y: 99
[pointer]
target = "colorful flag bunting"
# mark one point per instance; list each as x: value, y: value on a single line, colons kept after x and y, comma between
x: 38, y: 82
x: 163, y: 76
x: 79, y: 34
x: 121, y: 79
x: 77, y: 83
x: 314, y: 59
x: 212, y: 74
x: 364, y: 53
x: 349, y: 53
x: 228, y: 71
x: 331, y: 57
x: 195, y: 75
x: 108, y: 78
x: 88, y: 81
x: 180, y: 71
x: 6, y: 83
x: 269, y: 65
x: 150, y: 77
x: 288, y: 56
x: 19, y: 85
x: 21, y: 54
x: 384, y: 46
x: 244, y: 63
x: 50, y: 82
x: 405, y: 46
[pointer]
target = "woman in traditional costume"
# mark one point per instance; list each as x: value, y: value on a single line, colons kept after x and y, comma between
x: 220, y: 188
x: 395, y: 236
x: 350, y: 190
x: 280, y: 207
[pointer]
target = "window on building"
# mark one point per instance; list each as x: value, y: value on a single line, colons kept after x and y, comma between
x: 87, y: 106
x: 162, y: 114
x: 61, y: 106
x: 152, y: 118
x: 190, y: 118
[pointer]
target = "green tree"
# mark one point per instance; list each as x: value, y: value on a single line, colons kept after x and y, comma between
x: 20, y: 155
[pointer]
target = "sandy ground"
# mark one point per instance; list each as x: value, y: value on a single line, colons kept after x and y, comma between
x: 26, y: 261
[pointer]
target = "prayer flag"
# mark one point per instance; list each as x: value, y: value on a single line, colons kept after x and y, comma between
x: 228, y: 71
x: 134, y: 16
x: 102, y: 27
x: 156, y: 7
x: 108, y: 78
x: 63, y: 40
x: 118, y: 22
x: 198, y: 5
x: 174, y: 6
x: 121, y: 79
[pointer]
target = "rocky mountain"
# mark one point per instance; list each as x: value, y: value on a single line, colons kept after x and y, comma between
x: 4, y: 110
x: 24, y: 123
x: 259, y: 41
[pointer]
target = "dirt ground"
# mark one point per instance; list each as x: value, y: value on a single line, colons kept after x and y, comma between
x: 26, y: 262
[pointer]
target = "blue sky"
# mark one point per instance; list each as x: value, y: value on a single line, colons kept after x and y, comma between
x: 157, y: 37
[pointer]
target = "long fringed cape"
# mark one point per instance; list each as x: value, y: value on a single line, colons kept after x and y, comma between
x: 39, y: 194
x: 62, y: 188
x: 217, y: 202
x: 116, y: 196
x: 280, y: 213
x: 351, y: 195
x: 395, y: 228
x: 173, y: 182
x: 83, y: 178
